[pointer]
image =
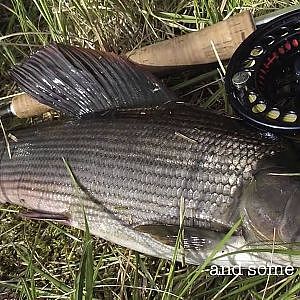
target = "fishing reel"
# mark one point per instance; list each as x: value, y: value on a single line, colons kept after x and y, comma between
x: 263, y: 76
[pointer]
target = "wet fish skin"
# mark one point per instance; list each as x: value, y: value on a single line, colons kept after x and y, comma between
x: 134, y: 169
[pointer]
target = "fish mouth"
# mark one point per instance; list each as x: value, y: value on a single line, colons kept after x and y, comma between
x: 271, y: 209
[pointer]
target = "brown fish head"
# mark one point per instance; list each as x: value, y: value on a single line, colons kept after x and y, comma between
x: 270, y: 204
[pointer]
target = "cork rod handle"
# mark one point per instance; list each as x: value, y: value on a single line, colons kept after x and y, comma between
x: 24, y: 106
x: 195, y: 48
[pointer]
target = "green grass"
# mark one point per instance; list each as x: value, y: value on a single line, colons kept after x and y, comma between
x: 41, y: 260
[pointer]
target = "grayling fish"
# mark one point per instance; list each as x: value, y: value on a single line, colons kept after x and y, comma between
x: 138, y: 170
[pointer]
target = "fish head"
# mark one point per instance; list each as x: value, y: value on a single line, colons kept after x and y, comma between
x: 270, y: 205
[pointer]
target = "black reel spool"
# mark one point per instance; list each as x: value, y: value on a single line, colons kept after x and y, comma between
x: 263, y: 76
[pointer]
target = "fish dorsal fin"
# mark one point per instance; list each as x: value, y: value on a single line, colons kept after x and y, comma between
x: 193, y: 238
x: 77, y: 81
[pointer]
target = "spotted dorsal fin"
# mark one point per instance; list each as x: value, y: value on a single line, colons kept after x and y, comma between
x: 77, y: 81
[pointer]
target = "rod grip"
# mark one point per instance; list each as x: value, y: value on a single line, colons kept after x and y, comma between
x: 24, y: 106
x: 195, y: 48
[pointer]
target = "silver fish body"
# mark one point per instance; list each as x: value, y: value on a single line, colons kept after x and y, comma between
x: 135, y: 169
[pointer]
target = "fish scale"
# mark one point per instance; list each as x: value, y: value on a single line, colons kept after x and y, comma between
x: 137, y: 167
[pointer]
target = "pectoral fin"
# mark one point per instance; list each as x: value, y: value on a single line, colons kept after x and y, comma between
x: 78, y: 81
x: 45, y: 216
x: 193, y: 238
